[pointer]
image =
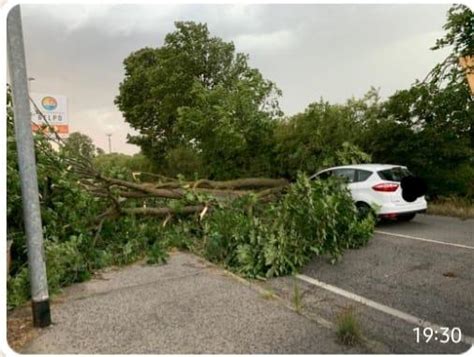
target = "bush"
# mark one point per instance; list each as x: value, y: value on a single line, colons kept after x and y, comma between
x: 74, y: 259
x: 157, y: 254
x: 122, y: 166
x: 225, y: 230
x: 65, y: 264
x: 18, y: 287
x: 178, y: 235
x: 313, y: 218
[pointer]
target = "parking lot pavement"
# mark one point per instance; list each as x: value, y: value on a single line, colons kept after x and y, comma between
x: 446, y: 229
x: 186, y: 306
x: 428, y: 280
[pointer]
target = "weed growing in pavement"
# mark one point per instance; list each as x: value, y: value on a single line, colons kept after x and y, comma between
x: 347, y: 327
x: 267, y: 295
x: 297, y: 298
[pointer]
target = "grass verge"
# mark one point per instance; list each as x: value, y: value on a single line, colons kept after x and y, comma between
x: 453, y: 207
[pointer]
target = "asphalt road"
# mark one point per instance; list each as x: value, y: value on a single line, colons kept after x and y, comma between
x: 447, y: 229
x: 186, y: 306
x: 404, y: 269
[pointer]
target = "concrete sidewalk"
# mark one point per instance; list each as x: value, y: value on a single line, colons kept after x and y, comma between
x: 186, y: 306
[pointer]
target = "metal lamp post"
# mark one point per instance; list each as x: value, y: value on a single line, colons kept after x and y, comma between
x: 27, y: 166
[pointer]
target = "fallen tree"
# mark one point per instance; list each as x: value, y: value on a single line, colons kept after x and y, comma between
x: 257, y: 227
x: 205, y: 191
x: 154, y: 195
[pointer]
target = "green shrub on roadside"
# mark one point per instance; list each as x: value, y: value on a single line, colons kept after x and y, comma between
x: 157, y: 254
x: 65, y: 263
x: 313, y: 218
x: 18, y: 287
x: 128, y: 238
x: 360, y: 232
x: 224, y: 230
x: 179, y: 234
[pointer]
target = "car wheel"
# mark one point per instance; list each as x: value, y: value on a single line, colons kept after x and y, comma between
x: 364, y: 210
x: 407, y: 217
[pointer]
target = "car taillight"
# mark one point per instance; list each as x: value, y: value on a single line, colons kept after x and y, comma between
x: 385, y: 187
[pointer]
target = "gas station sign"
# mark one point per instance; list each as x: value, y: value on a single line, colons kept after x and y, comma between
x: 50, y: 109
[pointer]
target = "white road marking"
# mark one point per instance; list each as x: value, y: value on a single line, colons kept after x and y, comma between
x: 377, y: 306
x: 425, y: 240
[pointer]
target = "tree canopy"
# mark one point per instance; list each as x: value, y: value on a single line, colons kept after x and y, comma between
x: 81, y: 144
x: 201, y: 110
x: 429, y: 126
x: 196, y: 93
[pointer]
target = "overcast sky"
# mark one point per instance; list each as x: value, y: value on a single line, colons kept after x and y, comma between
x: 310, y: 51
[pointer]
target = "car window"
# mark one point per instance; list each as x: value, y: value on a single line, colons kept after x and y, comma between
x: 394, y: 174
x: 324, y: 175
x: 347, y: 174
x: 362, y: 175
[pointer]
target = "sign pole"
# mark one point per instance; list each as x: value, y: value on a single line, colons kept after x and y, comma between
x: 27, y: 166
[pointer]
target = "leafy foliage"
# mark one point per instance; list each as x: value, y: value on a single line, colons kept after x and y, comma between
x: 66, y: 262
x: 79, y: 144
x: 322, y: 136
x: 66, y: 208
x: 215, y: 116
x: 429, y: 127
x: 459, y: 31
x: 197, y: 95
x: 230, y: 134
x: 122, y: 166
x: 312, y: 218
x: 68, y: 211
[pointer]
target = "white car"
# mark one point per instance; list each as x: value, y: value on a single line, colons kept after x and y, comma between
x: 388, y: 190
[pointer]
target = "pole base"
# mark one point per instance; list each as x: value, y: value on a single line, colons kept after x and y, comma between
x: 41, y: 313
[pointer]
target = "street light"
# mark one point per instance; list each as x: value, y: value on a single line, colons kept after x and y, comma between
x: 27, y: 167
x: 110, y: 143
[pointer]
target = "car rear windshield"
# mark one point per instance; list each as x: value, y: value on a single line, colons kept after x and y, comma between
x: 394, y: 174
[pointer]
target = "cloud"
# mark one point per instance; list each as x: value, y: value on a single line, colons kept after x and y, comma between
x: 72, y: 17
x: 404, y: 58
x: 105, y: 18
x: 270, y: 42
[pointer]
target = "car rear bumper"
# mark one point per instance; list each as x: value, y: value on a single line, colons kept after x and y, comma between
x: 393, y: 210
x: 394, y: 215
